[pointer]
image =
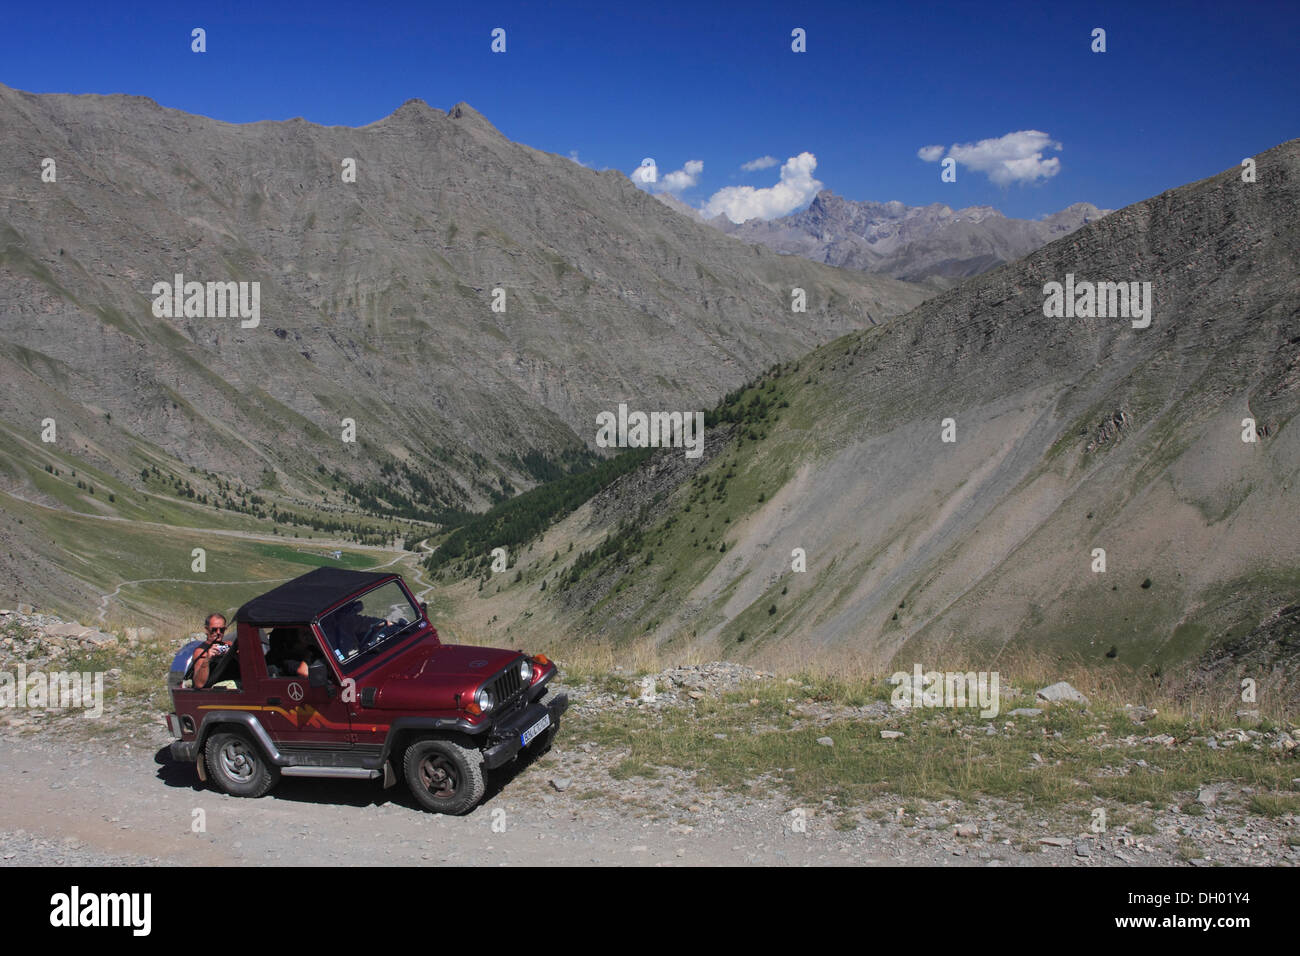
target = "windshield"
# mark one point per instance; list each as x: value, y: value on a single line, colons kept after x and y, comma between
x: 369, y: 621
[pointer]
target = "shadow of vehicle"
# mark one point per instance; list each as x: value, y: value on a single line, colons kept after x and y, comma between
x: 173, y: 773
x: 352, y: 793
x: 499, y: 779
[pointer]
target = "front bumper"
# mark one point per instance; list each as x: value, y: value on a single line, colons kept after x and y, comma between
x: 505, y: 739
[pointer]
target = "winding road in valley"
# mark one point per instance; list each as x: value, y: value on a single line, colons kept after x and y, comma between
x: 402, y: 555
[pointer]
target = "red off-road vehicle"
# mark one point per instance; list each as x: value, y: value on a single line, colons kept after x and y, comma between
x: 382, y: 695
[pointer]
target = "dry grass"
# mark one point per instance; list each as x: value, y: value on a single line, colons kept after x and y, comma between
x: 584, y: 661
x: 754, y: 738
x: 857, y: 675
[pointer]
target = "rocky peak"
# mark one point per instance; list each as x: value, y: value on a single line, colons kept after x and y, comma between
x: 414, y: 111
x: 466, y: 115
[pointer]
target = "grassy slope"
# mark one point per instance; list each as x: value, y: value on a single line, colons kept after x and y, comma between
x: 105, y: 554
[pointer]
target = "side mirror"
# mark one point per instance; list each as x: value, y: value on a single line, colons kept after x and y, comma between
x: 424, y: 609
x: 317, y: 674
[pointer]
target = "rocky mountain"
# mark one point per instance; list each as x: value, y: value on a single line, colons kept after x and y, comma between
x: 460, y: 305
x: 376, y: 296
x: 933, y: 243
x: 987, y: 476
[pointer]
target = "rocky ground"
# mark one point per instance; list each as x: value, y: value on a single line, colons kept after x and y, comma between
x: 104, y: 791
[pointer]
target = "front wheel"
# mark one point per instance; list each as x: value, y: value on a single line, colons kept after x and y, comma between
x: 444, y: 776
x: 237, y: 765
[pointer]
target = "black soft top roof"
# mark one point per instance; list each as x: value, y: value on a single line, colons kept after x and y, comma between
x: 301, y: 599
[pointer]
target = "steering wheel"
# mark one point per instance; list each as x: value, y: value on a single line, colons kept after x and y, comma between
x: 373, y: 633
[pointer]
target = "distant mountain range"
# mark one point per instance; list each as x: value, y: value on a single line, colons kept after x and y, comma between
x: 933, y: 244
x: 984, y: 478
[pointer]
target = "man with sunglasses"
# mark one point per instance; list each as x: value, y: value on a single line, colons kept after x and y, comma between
x: 215, y: 629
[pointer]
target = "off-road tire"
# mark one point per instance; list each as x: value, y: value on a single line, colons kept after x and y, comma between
x: 237, y: 766
x: 444, y: 776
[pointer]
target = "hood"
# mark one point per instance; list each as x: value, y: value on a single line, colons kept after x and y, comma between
x: 433, y: 675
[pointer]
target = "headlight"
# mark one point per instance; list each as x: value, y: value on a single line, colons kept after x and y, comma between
x: 526, y: 672
x: 484, y: 700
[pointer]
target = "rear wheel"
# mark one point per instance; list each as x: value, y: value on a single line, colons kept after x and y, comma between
x: 444, y: 776
x: 237, y: 766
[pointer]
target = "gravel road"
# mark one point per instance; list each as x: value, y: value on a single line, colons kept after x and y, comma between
x: 119, y: 800
x: 119, y: 805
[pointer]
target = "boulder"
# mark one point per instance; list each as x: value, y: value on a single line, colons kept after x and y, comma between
x: 70, y: 629
x: 1061, y: 692
x: 1140, y: 715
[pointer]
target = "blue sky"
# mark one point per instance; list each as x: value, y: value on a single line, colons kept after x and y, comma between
x: 1183, y: 90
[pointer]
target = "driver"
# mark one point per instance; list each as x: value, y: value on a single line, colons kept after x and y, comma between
x: 351, y: 628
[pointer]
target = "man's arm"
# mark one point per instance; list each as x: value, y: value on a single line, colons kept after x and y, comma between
x: 202, y: 661
x: 202, y: 657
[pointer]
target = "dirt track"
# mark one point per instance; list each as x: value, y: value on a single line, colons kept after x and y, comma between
x: 119, y: 805
x: 119, y: 800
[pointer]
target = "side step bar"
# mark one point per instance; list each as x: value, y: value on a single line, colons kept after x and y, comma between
x: 351, y: 773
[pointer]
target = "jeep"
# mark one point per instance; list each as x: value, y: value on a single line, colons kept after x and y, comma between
x: 340, y: 673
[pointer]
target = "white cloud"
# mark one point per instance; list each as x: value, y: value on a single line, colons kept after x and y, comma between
x: 646, y: 174
x: 797, y: 187
x: 573, y: 155
x: 763, y: 162
x: 684, y: 178
x: 1013, y: 158
x: 930, y: 153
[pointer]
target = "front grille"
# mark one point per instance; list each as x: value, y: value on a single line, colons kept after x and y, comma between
x: 506, y: 685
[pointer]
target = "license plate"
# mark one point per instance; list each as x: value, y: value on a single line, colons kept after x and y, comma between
x: 534, y: 730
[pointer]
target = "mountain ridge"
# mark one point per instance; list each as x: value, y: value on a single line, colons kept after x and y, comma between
x: 1070, y: 435
x: 932, y: 243
x: 377, y: 307
x: 237, y: 228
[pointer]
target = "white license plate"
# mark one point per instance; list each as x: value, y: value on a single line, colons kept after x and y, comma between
x: 534, y: 730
